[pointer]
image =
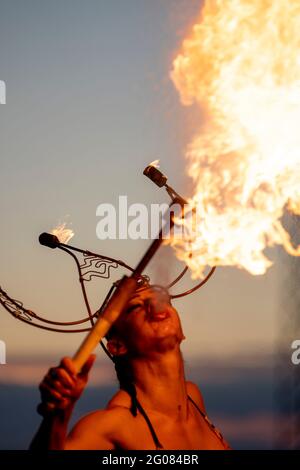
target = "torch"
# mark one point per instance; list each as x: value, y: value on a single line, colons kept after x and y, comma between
x: 128, y: 284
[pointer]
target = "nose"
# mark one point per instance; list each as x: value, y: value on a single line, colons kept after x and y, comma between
x: 157, y: 304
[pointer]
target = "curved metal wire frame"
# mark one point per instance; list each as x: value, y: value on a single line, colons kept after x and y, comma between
x: 183, y: 294
x: 17, y: 309
x: 68, y: 249
x: 178, y: 278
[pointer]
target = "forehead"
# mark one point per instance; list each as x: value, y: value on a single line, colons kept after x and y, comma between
x: 150, y: 292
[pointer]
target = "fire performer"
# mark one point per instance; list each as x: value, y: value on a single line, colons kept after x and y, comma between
x: 155, y: 408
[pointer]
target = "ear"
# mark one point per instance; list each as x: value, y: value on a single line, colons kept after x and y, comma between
x: 116, y: 347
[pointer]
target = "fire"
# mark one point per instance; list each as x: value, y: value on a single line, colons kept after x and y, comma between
x: 63, y: 234
x: 241, y: 66
x: 155, y: 163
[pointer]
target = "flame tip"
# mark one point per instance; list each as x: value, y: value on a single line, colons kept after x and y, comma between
x: 63, y: 234
x: 155, y: 163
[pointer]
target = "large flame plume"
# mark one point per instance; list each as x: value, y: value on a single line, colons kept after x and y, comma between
x: 241, y: 65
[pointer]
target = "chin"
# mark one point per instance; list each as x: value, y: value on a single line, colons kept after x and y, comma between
x: 166, y: 342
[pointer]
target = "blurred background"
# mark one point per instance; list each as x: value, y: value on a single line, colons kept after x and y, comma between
x: 89, y: 104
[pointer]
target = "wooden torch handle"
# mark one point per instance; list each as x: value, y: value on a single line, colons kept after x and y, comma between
x: 105, y: 320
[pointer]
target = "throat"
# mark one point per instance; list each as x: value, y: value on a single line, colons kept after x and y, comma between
x: 161, y: 386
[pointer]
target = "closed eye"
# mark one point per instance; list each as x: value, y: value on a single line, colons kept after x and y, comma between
x: 133, y: 307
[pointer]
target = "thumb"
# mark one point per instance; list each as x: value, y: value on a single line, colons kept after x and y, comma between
x: 87, y: 365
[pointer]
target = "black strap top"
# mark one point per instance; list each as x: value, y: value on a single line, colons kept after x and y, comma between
x: 157, y: 443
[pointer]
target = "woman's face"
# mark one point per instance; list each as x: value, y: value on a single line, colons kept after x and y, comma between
x: 149, y: 324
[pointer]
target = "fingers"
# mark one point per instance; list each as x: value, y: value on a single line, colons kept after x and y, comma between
x: 58, y: 387
x: 54, y: 397
x: 61, y: 375
x: 60, y: 380
x: 49, y: 393
x: 87, y: 366
x: 68, y: 364
x: 62, y: 386
x: 45, y: 408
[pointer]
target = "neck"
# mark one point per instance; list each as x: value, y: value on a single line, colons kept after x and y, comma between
x: 160, y: 383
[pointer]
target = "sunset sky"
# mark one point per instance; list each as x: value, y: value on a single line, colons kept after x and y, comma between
x: 89, y: 105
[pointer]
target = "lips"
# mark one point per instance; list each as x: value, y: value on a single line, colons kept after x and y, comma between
x: 158, y: 316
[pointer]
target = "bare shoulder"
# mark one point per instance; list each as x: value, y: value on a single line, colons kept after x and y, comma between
x: 97, y: 430
x: 120, y: 399
x: 196, y: 395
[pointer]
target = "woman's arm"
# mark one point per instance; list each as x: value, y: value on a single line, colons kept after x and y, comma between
x: 60, y: 389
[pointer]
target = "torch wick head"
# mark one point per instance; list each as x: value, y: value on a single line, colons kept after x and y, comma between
x: 49, y: 240
x: 155, y: 175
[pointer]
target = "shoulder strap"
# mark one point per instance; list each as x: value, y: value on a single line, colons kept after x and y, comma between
x: 151, y: 428
x: 211, y: 425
